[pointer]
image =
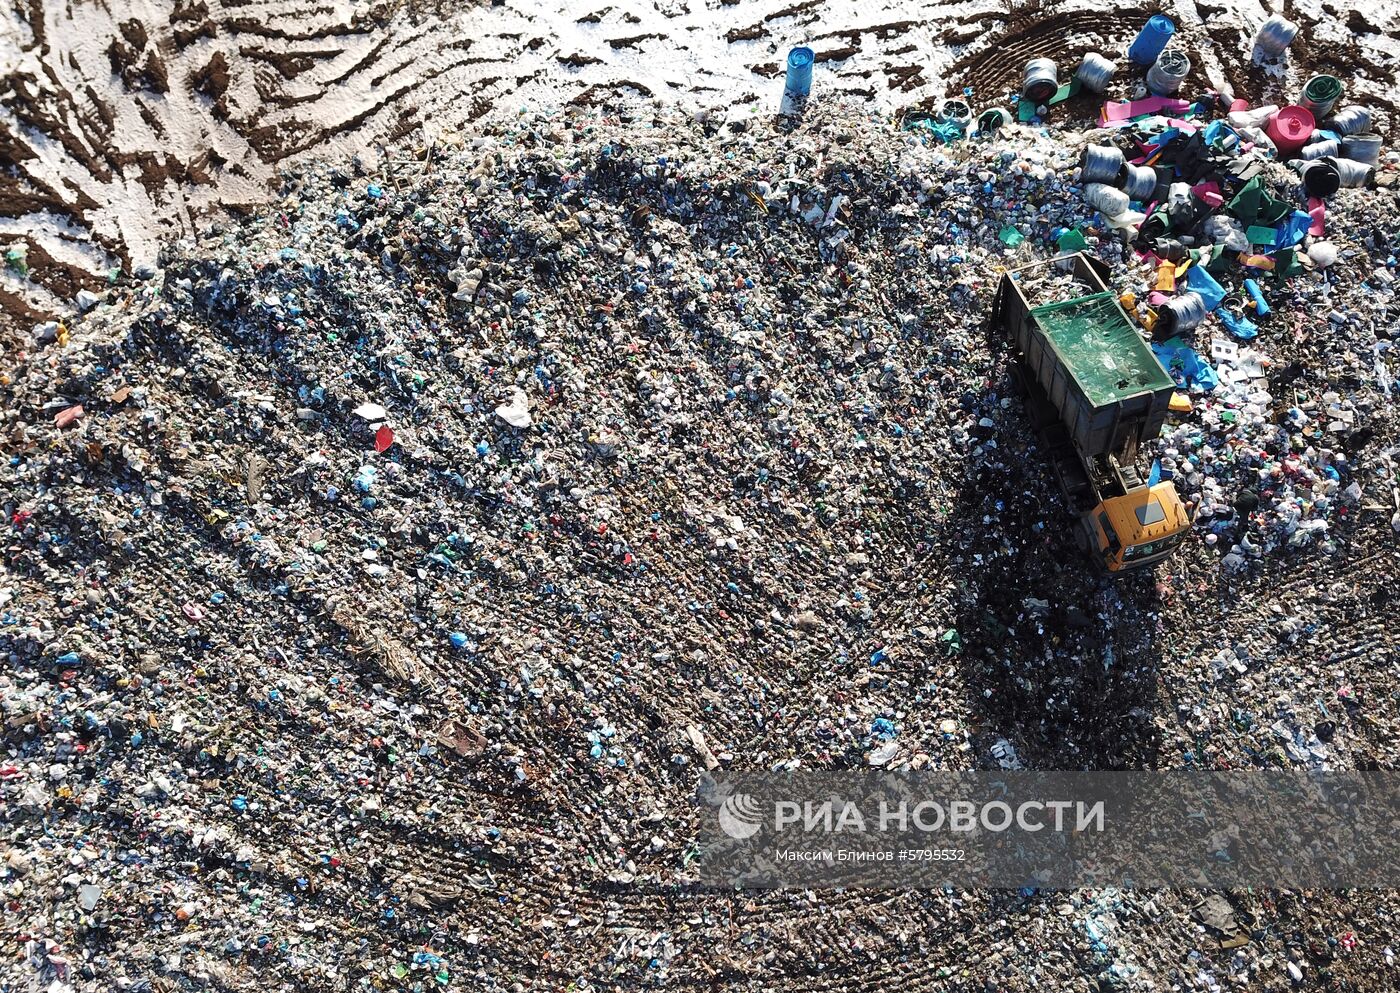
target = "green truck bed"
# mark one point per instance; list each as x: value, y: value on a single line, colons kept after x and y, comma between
x: 1102, y: 378
x: 1101, y: 349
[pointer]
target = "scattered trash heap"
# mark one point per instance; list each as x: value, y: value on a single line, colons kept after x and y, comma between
x: 382, y: 573
x: 1194, y: 195
x: 1193, y: 186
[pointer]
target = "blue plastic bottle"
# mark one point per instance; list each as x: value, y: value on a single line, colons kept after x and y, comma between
x: 799, y: 72
x: 1151, y: 40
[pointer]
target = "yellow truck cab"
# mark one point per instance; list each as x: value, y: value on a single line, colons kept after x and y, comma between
x: 1139, y: 528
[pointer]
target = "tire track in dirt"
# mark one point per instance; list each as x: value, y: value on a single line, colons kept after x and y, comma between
x: 121, y: 125
x: 998, y: 64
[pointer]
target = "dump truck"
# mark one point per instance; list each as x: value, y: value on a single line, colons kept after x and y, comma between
x: 1094, y: 392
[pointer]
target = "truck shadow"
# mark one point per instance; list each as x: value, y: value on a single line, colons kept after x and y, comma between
x: 1058, y: 659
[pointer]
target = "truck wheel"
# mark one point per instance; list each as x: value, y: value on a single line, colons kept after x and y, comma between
x: 1084, y: 537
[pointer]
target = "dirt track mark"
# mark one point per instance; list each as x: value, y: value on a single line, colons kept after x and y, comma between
x: 180, y: 109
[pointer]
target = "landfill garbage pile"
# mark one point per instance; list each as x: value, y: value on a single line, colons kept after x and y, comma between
x: 383, y: 574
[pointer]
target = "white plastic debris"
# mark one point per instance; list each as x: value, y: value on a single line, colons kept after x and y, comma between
x: 515, y: 412
x: 1322, y: 253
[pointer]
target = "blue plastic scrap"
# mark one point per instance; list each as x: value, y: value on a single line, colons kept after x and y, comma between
x: 1261, y: 306
x: 1220, y: 135
x: 1293, y: 230
x: 1160, y: 139
x: 1238, y: 325
x: 1186, y: 368
x: 1204, y: 284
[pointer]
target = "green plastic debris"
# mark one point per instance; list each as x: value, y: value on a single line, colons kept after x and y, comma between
x: 1025, y: 110
x: 1259, y: 235
x: 1072, y: 240
x: 15, y: 259
x: 991, y: 120
x: 1065, y: 91
x: 1286, y: 263
x: 1214, y: 260
x: 1010, y: 237
x: 1252, y: 205
x: 952, y: 641
x: 1322, y: 91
